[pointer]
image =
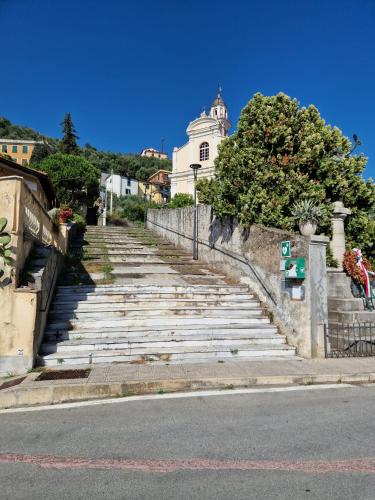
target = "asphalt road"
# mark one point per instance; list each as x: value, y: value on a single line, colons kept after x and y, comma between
x: 312, y: 444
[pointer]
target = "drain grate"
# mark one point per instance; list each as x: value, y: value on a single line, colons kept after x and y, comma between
x: 64, y: 374
x: 11, y: 383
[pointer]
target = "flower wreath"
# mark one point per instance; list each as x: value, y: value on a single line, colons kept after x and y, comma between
x: 358, y: 268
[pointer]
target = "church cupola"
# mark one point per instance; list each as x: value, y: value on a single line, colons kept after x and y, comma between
x: 220, y: 112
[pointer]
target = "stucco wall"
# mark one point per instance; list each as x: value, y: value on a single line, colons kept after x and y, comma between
x: 252, y: 255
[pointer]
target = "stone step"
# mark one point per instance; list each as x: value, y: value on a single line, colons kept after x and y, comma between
x: 133, y: 260
x: 166, y: 355
x: 68, y: 289
x: 239, y: 331
x: 141, y: 305
x: 200, y: 322
x: 121, y: 312
x: 156, y: 343
x: 118, y: 262
x: 339, y: 284
x: 151, y: 298
x: 351, y: 316
x: 343, y: 304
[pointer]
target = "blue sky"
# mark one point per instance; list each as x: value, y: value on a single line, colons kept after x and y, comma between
x: 132, y: 72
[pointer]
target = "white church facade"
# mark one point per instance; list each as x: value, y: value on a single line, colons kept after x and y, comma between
x: 205, y: 134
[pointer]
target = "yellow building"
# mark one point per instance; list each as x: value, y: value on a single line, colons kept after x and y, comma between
x: 153, y: 153
x: 157, y: 188
x: 20, y: 150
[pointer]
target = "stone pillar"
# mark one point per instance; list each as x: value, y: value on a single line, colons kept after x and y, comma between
x: 318, y: 293
x: 340, y: 213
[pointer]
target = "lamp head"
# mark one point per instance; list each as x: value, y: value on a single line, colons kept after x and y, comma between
x: 195, y: 166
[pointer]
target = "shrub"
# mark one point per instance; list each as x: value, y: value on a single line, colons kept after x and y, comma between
x: 116, y: 220
x: 79, y: 220
x: 181, y: 200
x: 133, y: 208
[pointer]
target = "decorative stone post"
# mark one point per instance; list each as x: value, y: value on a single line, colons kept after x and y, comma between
x: 340, y: 213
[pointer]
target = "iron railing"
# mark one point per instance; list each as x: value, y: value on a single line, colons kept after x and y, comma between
x: 349, y: 340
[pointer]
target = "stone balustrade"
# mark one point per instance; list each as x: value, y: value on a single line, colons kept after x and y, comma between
x: 28, y: 222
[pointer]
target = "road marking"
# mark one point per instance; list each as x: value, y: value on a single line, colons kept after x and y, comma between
x: 364, y: 465
x: 177, y: 395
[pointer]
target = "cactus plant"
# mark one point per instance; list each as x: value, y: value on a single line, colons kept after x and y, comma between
x: 5, y: 250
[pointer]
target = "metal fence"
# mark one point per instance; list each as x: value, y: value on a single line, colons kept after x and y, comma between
x: 349, y: 340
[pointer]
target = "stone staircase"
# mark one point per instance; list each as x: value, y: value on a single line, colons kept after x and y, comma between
x: 132, y: 297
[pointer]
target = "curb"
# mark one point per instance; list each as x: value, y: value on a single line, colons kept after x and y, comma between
x: 32, y: 395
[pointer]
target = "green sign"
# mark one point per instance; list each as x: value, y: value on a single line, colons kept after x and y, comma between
x: 295, y: 268
x: 285, y: 249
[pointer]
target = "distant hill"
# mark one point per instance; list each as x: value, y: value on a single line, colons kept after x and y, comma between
x: 127, y: 164
x: 10, y: 131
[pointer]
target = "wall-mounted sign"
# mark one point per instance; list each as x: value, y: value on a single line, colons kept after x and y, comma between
x: 293, y: 288
x: 285, y: 249
x: 295, y: 268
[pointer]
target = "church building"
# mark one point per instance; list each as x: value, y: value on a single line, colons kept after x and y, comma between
x: 205, y: 134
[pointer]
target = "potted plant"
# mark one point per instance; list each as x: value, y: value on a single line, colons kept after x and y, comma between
x: 65, y: 213
x: 307, y: 213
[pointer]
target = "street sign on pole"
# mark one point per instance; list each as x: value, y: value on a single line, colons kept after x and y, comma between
x: 285, y: 249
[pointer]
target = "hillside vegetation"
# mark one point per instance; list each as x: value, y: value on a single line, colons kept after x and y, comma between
x: 126, y: 164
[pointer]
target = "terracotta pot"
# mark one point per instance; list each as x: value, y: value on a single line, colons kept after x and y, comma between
x: 308, y: 228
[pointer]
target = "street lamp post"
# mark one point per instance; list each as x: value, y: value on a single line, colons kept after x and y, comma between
x: 111, y: 206
x: 146, y: 186
x: 195, y: 167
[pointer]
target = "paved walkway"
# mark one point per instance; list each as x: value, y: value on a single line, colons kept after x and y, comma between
x: 127, y: 380
x: 229, y: 369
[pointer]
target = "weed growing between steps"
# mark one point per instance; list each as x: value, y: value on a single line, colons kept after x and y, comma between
x: 81, y: 266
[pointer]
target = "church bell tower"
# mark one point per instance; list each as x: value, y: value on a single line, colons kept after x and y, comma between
x: 219, y: 111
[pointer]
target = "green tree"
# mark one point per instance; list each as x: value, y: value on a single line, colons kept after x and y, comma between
x: 41, y: 151
x: 282, y: 153
x: 75, y: 179
x: 69, y: 140
x: 128, y: 165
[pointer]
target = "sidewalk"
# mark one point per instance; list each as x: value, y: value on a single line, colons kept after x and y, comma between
x: 120, y: 380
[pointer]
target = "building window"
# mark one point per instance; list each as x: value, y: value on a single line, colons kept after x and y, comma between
x: 129, y: 182
x: 127, y: 191
x: 24, y: 162
x: 24, y: 149
x: 14, y: 149
x: 4, y: 148
x: 204, y: 151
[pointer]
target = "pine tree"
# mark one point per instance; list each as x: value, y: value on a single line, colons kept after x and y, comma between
x: 69, y: 140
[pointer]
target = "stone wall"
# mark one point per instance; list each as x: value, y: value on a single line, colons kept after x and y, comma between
x: 252, y: 256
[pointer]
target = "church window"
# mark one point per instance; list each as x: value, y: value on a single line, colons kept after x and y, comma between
x: 204, y: 151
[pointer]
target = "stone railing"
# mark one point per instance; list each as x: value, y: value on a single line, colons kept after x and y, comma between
x: 28, y: 222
